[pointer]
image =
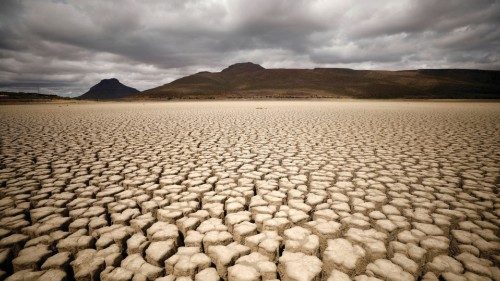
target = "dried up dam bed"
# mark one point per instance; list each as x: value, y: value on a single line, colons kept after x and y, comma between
x: 250, y: 190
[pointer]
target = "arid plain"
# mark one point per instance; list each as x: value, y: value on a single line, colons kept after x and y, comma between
x: 250, y: 190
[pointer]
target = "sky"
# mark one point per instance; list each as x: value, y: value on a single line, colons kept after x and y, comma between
x: 65, y: 46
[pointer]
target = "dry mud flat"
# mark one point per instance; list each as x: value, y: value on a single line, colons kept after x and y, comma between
x: 243, y: 191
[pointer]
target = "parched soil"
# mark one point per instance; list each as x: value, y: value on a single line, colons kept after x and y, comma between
x: 250, y: 190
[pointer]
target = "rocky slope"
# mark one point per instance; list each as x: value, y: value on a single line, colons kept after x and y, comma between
x: 248, y: 80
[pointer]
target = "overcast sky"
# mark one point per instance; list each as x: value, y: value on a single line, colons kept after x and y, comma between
x: 66, y: 46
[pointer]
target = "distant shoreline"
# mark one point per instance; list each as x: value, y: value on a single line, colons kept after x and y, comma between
x: 77, y: 101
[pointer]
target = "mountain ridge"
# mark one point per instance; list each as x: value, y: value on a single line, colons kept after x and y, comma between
x: 250, y: 80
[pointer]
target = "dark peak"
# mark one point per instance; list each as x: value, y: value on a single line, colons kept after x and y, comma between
x: 243, y: 67
x: 110, y: 81
x: 108, y: 89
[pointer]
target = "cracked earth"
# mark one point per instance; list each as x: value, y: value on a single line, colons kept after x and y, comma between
x: 243, y: 191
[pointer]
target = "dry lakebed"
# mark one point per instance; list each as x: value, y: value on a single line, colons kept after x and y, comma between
x: 250, y: 190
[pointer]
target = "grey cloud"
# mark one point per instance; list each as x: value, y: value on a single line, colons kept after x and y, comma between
x: 67, y: 46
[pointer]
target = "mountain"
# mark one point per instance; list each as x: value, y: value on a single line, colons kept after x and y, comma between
x: 249, y: 80
x: 108, y: 89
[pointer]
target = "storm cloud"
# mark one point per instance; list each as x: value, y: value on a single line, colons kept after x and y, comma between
x: 66, y: 46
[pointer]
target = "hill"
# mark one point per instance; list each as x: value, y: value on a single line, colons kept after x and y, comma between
x: 249, y: 80
x: 108, y: 89
x: 21, y: 97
